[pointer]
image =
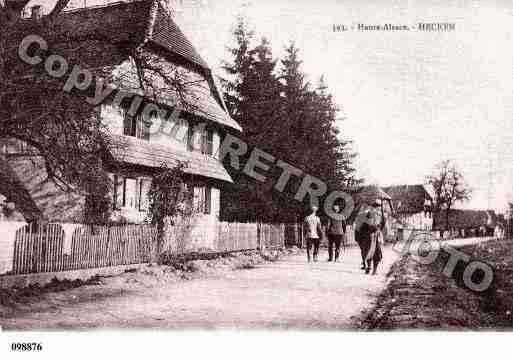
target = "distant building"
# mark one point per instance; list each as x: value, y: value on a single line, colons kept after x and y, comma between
x: 469, y: 223
x: 412, y: 205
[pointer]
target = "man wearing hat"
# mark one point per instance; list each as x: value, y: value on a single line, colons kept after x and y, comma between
x: 313, y: 231
x: 370, y: 237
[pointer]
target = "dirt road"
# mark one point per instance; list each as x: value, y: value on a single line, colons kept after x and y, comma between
x: 287, y: 294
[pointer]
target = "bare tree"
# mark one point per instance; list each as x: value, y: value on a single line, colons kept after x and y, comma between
x: 449, y: 188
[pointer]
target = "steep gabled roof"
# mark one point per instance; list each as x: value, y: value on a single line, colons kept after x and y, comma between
x: 131, y: 25
x: 167, y: 34
x: 135, y: 22
x: 408, y: 198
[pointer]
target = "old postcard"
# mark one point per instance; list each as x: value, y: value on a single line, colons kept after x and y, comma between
x: 234, y: 165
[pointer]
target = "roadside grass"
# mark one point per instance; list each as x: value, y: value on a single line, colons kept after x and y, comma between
x: 422, y: 297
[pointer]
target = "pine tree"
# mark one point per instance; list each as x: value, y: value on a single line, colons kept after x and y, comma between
x: 252, y: 94
x: 282, y: 115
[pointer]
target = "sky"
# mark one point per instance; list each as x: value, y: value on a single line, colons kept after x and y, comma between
x: 410, y: 99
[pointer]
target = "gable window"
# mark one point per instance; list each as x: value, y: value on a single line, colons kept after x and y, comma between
x: 200, y: 140
x: 207, y: 143
x: 135, y: 126
x: 191, y: 135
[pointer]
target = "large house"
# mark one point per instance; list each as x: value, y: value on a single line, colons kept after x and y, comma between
x: 412, y: 205
x: 149, y: 28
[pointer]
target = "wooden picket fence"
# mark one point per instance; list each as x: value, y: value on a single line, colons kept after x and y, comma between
x: 271, y: 235
x: 236, y: 236
x: 245, y: 236
x: 42, y: 248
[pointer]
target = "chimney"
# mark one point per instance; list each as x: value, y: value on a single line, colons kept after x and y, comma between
x: 36, y: 12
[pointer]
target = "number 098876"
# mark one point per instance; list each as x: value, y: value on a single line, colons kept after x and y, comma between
x: 26, y: 347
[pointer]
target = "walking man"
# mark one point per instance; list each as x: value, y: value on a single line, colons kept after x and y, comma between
x: 371, y: 238
x: 336, y: 234
x: 313, y: 233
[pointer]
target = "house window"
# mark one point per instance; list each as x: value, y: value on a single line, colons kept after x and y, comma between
x: 207, y: 143
x: 131, y: 193
x: 200, y: 140
x: 202, y: 199
x: 16, y: 147
x: 135, y: 126
x: 191, y: 134
x: 143, y: 187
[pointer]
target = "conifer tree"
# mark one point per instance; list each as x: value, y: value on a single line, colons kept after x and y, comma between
x: 283, y: 115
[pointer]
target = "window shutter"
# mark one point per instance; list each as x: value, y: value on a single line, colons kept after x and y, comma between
x: 208, y: 199
x: 146, y: 135
x: 210, y: 142
x: 115, y: 193
x: 190, y: 137
x: 202, y: 203
x: 138, y: 183
x: 123, y: 192
x: 119, y: 192
x: 196, y: 201
x: 204, y: 141
x: 142, y: 128
x: 145, y: 189
x: 139, y: 127
x: 128, y: 124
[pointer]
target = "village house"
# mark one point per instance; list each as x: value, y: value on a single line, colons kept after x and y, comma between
x: 412, y: 205
x: 149, y: 28
x: 470, y: 223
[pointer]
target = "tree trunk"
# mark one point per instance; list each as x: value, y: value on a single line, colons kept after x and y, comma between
x: 447, y: 218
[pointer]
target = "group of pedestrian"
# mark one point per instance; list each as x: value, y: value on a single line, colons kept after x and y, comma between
x: 369, y: 227
x: 336, y: 231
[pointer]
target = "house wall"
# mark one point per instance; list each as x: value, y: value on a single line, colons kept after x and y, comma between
x: 163, y: 132
x: 202, y: 235
x: 420, y: 220
x: 59, y: 206
x: 112, y: 117
x: 138, y: 215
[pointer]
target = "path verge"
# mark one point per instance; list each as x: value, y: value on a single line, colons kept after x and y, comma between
x: 421, y: 297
